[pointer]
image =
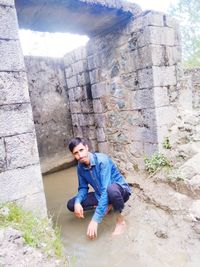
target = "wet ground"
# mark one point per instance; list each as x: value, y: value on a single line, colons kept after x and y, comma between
x: 152, y: 238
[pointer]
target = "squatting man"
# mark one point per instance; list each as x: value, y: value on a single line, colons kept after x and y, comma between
x: 110, y: 187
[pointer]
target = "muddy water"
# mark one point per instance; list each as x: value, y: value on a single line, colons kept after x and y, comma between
x: 137, y: 247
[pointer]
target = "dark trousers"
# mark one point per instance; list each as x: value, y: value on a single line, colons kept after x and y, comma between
x: 117, y: 196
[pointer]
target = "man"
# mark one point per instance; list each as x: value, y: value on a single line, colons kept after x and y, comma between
x: 110, y: 188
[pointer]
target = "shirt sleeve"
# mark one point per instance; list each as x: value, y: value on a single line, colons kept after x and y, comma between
x: 82, y: 188
x: 105, y: 178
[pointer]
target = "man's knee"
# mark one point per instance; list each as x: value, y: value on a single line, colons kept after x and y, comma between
x: 70, y: 205
x: 113, y: 191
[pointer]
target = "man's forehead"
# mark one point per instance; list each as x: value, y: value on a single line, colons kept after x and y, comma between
x: 78, y: 147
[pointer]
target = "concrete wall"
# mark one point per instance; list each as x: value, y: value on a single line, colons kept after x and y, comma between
x: 20, y: 176
x: 50, y: 104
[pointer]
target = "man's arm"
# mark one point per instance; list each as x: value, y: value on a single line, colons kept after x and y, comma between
x: 105, y: 177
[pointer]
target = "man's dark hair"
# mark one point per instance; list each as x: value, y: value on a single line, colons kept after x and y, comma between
x: 75, y: 142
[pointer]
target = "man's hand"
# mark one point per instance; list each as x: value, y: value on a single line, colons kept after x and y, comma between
x: 92, y: 230
x: 78, y: 210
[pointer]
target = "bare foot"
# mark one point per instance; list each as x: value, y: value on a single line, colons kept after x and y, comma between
x: 119, y: 228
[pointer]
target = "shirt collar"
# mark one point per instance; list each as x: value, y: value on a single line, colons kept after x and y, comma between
x: 92, y: 161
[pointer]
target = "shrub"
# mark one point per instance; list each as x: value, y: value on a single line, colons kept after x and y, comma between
x: 156, y: 163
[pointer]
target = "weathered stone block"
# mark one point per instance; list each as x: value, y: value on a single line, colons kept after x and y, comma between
x: 161, y: 97
x: 2, y: 155
x: 95, y: 76
x: 82, y: 119
x: 165, y: 115
x: 7, y: 2
x: 83, y: 78
x: 68, y: 72
x: 153, y: 18
x: 71, y: 94
x: 20, y: 183
x: 72, y: 82
x: 77, y: 131
x: 11, y: 56
x: 21, y: 150
x: 163, y: 76
x: 97, y: 106
x: 35, y: 202
x: 160, y: 35
x: 8, y: 23
x: 13, y: 88
x: 90, y: 119
x: 103, y: 147
x: 75, y: 121
x: 79, y: 66
x: 150, y: 149
x: 145, y: 78
x: 100, y: 120
x: 78, y: 93
x: 98, y: 90
x: 75, y: 107
x: 16, y: 119
x: 86, y: 106
x: 69, y: 59
x: 173, y: 54
x: 80, y: 53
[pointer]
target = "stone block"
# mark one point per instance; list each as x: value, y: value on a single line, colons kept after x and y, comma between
x: 16, y: 119
x: 150, y: 149
x: 173, y: 54
x: 68, y: 72
x: 100, y: 120
x: 75, y: 121
x: 162, y: 133
x: 71, y: 94
x: 80, y: 53
x: 83, y: 78
x: 13, y: 88
x: 20, y: 183
x: 97, y: 106
x: 160, y: 35
x: 95, y: 76
x: 79, y: 66
x: 75, y: 107
x: 101, y: 137
x: 145, y: 78
x: 78, y: 93
x: 35, y: 203
x: 21, y: 151
x: 164, y: 76
x: 82, y: 119
x: 90, y: 119
x: 142, y: 99
x: 161, y: 97
x: 86, y: 106
x: 103, y: 147
x: 11, y: 56
x: 98, y: 90
x: 7, y: 2
x: 72, y: 82
x: 69, y: 59
x: 2, y: 155
x: 8, y: 23
x: 77, y: 131
x: 153, y: 18
x: 165, y: 115
x: 143, y: 134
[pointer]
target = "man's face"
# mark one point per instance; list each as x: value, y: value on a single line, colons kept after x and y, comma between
x: 80, y: 153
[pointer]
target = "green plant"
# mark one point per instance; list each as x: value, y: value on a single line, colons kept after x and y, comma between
x: 166, y: 144
x: 156, y: 163
x: 37, y: 232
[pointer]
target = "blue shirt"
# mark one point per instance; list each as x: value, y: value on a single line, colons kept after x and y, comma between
x: 101, y: 173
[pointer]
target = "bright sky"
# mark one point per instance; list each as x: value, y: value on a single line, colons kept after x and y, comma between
x: 58, y: 44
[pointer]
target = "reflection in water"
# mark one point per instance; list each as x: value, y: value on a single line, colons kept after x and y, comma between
x: 138, y: 246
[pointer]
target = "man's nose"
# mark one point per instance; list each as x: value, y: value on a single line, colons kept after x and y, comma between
x: 80, y: 154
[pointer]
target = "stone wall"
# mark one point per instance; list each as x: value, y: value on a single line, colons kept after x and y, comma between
x: 193, y: 82
x: 20, y: 176
x: 133, y: 73
x: 50, y: 104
